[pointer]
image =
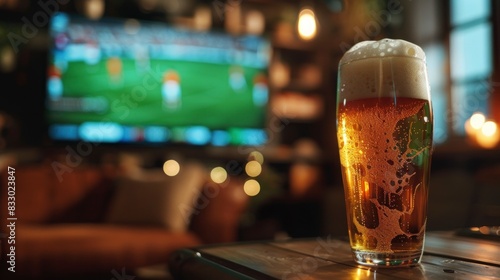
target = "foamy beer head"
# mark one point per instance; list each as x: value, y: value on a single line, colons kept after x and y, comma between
x: 385, y: 68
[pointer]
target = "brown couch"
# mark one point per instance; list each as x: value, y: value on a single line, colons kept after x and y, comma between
x: 62, y: 229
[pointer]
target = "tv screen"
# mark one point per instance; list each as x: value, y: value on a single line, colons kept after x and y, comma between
x: 138, y: 82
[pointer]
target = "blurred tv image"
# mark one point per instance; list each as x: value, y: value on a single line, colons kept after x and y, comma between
x: 130, y: 81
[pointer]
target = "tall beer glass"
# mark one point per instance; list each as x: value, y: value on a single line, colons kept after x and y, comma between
x: 384, y: 132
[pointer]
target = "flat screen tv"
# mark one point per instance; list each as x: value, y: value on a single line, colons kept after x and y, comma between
x: 138, y: 82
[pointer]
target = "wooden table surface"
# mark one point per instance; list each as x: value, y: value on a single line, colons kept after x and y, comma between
x: 446, y: 256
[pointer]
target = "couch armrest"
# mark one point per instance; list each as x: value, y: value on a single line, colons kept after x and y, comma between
x: 217, y: 213
x: 81, y: 195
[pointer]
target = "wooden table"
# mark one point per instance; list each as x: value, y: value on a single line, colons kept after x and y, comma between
x: 446, y: 256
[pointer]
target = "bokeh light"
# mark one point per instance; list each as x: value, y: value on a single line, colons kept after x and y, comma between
x: 257, y: 156
x: 253, y: 168
x: 307, y: 24
x: 7, y: 59
x: 93, y: 9
x: 202, y: 18
x: 171, y: 167
x: 218, y: 175
x: 251, y: 187
x: 477, y: 120
x: 255, y: 22
x: 489, y: 136
x: 489, y: 128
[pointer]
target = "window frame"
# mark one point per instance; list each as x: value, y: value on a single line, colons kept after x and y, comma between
x: 493, y: 77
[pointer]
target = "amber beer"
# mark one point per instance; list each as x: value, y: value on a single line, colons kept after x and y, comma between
x: 384, y: 131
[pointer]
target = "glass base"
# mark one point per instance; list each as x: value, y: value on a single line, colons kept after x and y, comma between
x: 396, y: 259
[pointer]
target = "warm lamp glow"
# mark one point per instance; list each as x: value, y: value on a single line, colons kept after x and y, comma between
x: 257, y: 156
x: 232, y: 18
x: 279, y: 74
x: 93, y: 9
x: 171, y: 167
x: 253, y: 168
x: 307, y: 24
x: 297, y: 105
x: 489, y: 135
x: 477, y: 120
x: 251, y: 187
x: 489, y: 128
x: 7, y: 59
x: 202, y: 18
x: 255, y: 22
x: 471, y: 132
x: 482, y: 132
x: 303, y: 178
x: 218, y: 175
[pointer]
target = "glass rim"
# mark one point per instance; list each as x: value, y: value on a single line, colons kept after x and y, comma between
x: 381, y: 58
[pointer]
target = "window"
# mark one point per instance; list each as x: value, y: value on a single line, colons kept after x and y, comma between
x: 464, y: 11
x: 471, y: 59
x: 435, y: 57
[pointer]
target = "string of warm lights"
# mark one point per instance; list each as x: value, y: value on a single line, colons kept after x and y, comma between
x: 219, y: 175
x: 253, y: 169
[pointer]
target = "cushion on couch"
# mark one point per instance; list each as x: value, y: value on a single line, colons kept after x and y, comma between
x: 155, y: 199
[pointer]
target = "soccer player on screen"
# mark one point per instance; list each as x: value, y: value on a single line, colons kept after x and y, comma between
x: 171, y: 90
x: 115, y: 68
x: 260, y: 91
x: 54, y: 83
x: 237, y: 78
x: 92, y: 53
x: 141, y: 55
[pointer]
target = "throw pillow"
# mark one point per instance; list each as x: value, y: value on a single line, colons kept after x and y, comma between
x: 155, y: 199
